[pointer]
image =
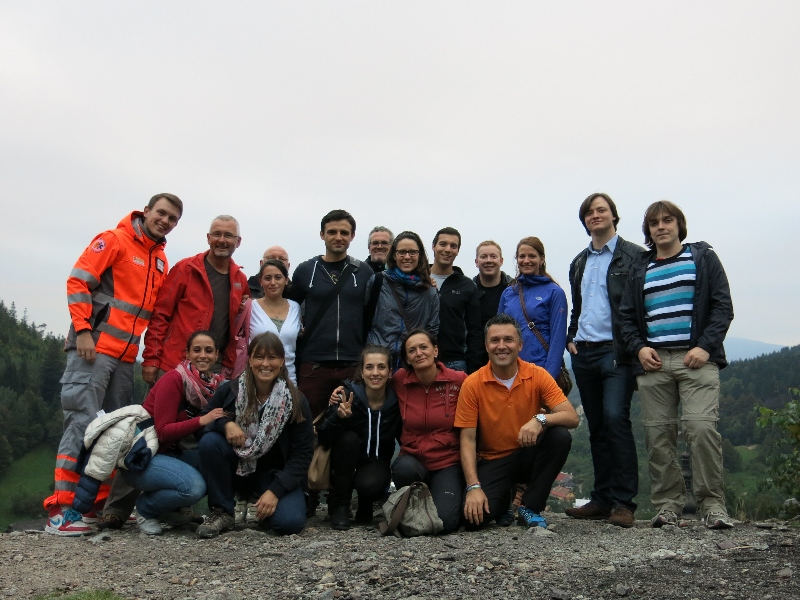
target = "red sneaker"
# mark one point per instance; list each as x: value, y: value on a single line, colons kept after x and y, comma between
x: 66, y: 522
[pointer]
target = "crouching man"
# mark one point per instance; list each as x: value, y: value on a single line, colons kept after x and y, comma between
x: 505, y: 438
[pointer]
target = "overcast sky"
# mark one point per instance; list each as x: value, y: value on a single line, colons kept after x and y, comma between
x: 495, y: 118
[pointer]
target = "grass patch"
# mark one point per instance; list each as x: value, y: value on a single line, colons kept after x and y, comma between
x: 29, y: 476
x: 87, y: 595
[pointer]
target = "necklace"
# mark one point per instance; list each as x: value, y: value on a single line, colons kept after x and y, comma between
x: 267, y: 309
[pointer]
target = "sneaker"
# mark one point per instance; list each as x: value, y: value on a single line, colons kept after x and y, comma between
x: 530, y: 519
x: 91, y: 517
x: 340, y: 518
x: 149, y: 526
x: 621, y: 516
x: 66, y: 522
x: 251, y: 517
x: 664, y: 517
x: 215, y: 524
x: 240, y: 512
x: 718, y: 521
x: 590, y: 510
x: 507, y: 519
x: 176, y: 518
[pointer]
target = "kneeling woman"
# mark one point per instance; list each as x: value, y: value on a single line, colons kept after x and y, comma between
x: 361, y: 431
x: 266, y: 436
x: 429, y: 444
x: 172, y: 479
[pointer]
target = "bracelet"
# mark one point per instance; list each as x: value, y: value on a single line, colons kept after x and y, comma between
x: 474, y: 486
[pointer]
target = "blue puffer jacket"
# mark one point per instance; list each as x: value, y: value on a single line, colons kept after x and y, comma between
x: 546, y: 304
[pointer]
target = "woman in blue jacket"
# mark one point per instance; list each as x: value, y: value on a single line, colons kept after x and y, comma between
x: 545, y: 303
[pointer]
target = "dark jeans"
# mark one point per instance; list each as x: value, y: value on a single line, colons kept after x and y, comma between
x: 219, y: 463
x: 446, y: 486
x: 537, y: 465
x: 606, y: 390
x: 351, y: 469
x: 317, y: 383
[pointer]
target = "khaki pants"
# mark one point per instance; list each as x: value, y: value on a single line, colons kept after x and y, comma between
x: 697, y: 390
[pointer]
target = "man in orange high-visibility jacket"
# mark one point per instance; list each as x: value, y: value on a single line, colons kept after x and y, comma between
x: 111, y: 292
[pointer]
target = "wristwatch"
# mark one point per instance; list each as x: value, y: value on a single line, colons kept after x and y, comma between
x: 542, y: 420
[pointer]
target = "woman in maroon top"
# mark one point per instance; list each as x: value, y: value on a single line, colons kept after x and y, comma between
x: 172, y: 479
x: 429, y: 444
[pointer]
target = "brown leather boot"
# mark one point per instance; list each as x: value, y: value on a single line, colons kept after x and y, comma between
x: 591, y: 511
x: 621, y: 517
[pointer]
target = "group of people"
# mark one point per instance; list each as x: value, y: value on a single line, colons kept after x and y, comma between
x: 465, y: 375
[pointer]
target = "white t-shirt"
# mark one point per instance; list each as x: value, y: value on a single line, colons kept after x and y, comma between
x: 260, y: 322
x: 440, y: 279
x: 506, y: 382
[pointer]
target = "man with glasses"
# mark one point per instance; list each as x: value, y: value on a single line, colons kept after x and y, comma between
x: 378, y: 242
x: 204, y: 291
x: 273, y: 252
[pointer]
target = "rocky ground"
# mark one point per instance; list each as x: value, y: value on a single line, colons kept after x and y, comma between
x: 572, y: 559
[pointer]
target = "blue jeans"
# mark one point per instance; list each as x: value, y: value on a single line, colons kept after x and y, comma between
x: 219, y: 467
x: 606, y: 390
x: 457, y: 365
x: 167, y: 484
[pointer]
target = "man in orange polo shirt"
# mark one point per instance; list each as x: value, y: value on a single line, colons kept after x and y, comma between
x: 517, y: 442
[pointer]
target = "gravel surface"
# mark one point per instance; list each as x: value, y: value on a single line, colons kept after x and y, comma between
x: 572, y: 559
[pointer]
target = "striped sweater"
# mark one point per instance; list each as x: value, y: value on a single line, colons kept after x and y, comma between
x: 669, y: 288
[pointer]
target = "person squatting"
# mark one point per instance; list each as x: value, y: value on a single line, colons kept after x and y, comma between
x: 465, y: 376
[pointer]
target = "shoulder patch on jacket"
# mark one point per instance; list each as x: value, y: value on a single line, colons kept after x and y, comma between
x: 98, y: 245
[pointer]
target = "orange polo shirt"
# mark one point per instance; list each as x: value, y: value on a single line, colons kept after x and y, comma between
x: 499, y: 413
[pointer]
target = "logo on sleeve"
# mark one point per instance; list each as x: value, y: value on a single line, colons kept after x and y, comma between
x: 138, y: 261
x: 98, y: 245
x: 160, y: 265
x: 237, y: 285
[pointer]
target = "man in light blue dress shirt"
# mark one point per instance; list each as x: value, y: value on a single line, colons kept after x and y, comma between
x: 597, y: 278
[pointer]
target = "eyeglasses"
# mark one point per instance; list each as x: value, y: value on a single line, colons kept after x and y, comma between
x: 218, y: 234
x: 384, y: 244
x: 411, y: 253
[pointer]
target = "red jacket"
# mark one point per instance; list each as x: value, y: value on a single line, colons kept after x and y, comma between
x: 113, y: 287
x: 185, y: 305
x: 165, y: 403
x: 428, y: 415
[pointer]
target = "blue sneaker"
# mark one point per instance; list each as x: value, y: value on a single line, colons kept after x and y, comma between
x: 530, y: 519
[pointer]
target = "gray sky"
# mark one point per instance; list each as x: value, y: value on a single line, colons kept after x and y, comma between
x: 495, y: 118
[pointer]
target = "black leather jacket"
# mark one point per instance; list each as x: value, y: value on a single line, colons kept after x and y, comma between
x: 625, y: 255
x: 711, y: 316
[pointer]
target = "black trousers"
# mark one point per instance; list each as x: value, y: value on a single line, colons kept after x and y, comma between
x: 352, y: 469
x: 538, y: 466
x: 446, y: 486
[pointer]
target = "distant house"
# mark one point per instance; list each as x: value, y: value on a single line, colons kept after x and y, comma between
x: 565, y: 480
x: 562, y: 493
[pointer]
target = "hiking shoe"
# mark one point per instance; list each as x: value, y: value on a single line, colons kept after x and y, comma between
x: 621, y: 517
x: 664, y: 517
x: 176, y: 518
x: 66, y: 522
x: 240, y: 512
x: 149, y: 526
x: 590, y: 510
x: 251, y: 515
x: 215, y: 524
x: 507, y: 519
x: 111, y: 521
x: 340, y: 518
x: 718, y: 521
x: 530, y: 519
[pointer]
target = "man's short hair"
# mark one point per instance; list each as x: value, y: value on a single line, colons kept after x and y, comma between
x: 588, y: 202
x: 447, y: 231
x: 488, y: 243
x: 171, y: 198
x: 378, y: 228
x: 338, y: 215
x: 226, y: 218
x: 502, y: 319
x: 654, y: 211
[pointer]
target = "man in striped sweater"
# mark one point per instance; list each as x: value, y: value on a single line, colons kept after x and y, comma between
x: 675, y: 313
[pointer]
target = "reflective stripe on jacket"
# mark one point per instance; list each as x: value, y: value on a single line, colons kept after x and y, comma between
x: 113, y: 287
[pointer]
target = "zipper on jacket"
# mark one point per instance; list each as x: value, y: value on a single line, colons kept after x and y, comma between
x: 144, y: 298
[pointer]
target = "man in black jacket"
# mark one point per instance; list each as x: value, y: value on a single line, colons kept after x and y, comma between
x: 378, y: 243
x: 597, y: 279
x: 491, y: 280
x: 675, y: 313
x: 460, y: 333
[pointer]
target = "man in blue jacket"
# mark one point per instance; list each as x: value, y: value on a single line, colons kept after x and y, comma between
x: 675, y: 313
x: 597, y: 277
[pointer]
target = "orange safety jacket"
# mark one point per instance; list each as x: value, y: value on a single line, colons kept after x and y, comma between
x: 113, y: 287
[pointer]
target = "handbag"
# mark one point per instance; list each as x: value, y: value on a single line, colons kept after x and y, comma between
x: 410, y: 512
x: 564, y: 381
x: 319, y: 472
x: 241, y: 339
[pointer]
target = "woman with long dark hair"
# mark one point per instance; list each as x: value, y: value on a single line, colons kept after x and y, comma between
x: 429, y: 443
x: 406, y: 299
x: 265, y: 436
x: 545, y: 305
x: 361, y: 428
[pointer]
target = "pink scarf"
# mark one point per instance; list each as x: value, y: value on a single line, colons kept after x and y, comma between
x: 197, y: 387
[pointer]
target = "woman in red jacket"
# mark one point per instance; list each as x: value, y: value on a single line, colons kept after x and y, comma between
x: 429, y: 444
x: 172, y: 479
